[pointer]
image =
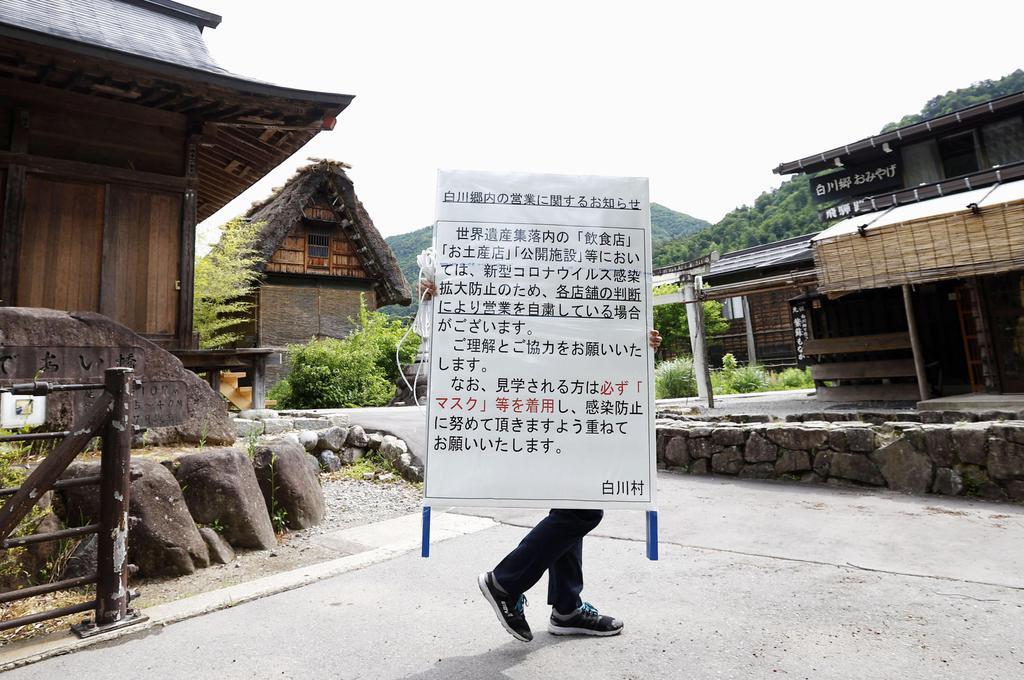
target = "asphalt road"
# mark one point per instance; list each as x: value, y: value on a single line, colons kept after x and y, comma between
x: 756, y: 580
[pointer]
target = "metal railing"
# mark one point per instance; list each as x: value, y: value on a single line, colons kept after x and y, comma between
x: 109, y: 418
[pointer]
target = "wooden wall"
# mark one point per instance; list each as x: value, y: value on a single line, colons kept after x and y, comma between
x: 94, y: 207
x: 291, y: 257
x: 772, y: 322
x: 143, y: 264
x: 290, y: 313
x: 61, y: 245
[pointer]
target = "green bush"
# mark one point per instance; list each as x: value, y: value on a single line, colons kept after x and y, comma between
x: 795, y: 379
x: 751, y: 378
x: 330, y: 373
x: 675, y: 378
x: 357, y: 371
x: 380, y: 334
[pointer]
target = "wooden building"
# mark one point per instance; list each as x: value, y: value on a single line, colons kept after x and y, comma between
x: 118, y: 132
x: 921, y: 280
x: 319, y: 253
x: 755, y: 286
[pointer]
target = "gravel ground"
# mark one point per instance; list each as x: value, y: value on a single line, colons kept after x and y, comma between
x: 348, y: 503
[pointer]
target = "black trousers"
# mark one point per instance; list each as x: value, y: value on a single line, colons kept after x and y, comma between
x: 555, y: 545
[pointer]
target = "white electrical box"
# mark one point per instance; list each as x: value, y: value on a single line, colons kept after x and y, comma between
x: 18, y: 411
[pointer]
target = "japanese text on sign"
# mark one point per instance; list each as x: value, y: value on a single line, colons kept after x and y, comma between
x: 540, y: 373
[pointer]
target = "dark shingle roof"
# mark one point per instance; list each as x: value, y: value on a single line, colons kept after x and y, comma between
x: 787, y: 251
x: 163, y: 31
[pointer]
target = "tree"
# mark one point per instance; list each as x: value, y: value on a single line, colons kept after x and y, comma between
x: 225, y: 280
x: 671, y: 322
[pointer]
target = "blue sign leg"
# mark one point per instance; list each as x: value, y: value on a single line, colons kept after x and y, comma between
x: 425, y: 550
x: 652, y: 534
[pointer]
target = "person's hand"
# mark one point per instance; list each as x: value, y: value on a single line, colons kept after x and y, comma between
x: 655, y: 339
x: 427, y: 289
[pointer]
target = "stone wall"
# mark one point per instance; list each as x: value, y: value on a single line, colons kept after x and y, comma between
x: 981, y: 459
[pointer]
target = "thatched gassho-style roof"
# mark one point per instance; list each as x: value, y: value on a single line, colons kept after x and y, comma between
x: 284, y: 208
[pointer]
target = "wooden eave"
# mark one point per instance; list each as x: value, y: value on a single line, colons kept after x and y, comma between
x: 244, y: 128
x: 949, y: 122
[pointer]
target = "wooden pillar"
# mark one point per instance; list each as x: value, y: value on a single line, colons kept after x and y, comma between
x: 14, y: 211
x: 258, y: 376
x: 187, y: 260
x: 749, y: 323
x: 915, y: 344
x: 10, y: 233
x: 695, y: 322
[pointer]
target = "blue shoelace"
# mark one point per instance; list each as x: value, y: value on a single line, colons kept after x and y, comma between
x: 520, y: 603
x: 587, y: 608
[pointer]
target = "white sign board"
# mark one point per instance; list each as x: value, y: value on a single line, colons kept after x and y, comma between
x: 541, y: 377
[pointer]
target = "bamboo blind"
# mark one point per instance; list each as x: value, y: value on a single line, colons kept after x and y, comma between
x: 948, y: 246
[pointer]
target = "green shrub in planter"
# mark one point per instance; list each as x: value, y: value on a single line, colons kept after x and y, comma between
x: 675, y: 378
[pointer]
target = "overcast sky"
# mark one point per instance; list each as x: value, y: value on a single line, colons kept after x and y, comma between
x: 703, y: 100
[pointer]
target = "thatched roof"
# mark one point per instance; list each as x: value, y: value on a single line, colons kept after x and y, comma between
x: 283, y: 209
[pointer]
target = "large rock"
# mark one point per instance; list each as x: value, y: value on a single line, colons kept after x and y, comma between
x: 904, y: 467
x: 854, y: 467
x: 728, y: 436
x: 677, y: 453
x: 308, y: 439
x: 798, y: 438
x: 971, y: 442
x: 329, y: 461
x: 82, y: 561
x: 758, y: 471
x: 220, y: 488
x: 759, y: 449
x: 357, y: 437
x: 164, y: 541
x: 728, y: 461
x: 220, y: 551
x: 26, y: 327
x: 332, y: 439
x: 1005, y: 460
x: 948, y: 482
x: 289, y: 484
x: 938, y: 441
x: 391, y: 449
x: 860, y: 439
x: 792, y: 461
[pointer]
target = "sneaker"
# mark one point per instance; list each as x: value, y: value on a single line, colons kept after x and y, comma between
x: 584, y: 621
x: 508, y: 608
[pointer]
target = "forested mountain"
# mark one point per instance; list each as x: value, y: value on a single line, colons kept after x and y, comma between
x: 953, y: 100
x: 778, y: 214
x: 666, y: 224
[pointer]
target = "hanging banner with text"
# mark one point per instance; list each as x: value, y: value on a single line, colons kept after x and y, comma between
x: 541, y: 377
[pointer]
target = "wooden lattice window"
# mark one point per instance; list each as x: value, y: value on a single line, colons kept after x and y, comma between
x: 318, y: 246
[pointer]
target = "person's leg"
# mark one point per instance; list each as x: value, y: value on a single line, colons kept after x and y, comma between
x: 555, y: 544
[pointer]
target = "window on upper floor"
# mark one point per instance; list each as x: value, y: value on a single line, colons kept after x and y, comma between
x: 1004, y: 141
x: 317, y: 247
x: 921, y: 163
x: 959, y: 153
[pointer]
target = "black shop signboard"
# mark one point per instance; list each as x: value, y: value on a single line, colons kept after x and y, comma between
x: 867, y: 180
